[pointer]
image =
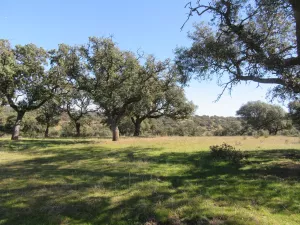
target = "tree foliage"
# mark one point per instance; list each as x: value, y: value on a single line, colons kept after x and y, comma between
x: 162, y: 97
x: 24, y: 81
x: 262, y: 116
x: 78, y: 104
x: 69, y: 63
x: 116, y: 79
x: 49, y: 115
x: 245, y: 41
x: 294, y: 112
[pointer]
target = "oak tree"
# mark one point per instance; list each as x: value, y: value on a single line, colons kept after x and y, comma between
x: 162, y: 97
x: 245, y: 40
x: 78, y: 104
x: 262, y: 116
x: 24, y: 80
x: 49, y: 115
x: 116, y: 80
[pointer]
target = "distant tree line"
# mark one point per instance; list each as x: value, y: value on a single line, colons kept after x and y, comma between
x: 253, y: 118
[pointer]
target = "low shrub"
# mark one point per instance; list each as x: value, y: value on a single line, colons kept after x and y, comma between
x: 265, y: 133
x: 226, y: 152
x: 256, y: 134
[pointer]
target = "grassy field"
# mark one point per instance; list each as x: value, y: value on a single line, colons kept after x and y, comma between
x: 170, y: 180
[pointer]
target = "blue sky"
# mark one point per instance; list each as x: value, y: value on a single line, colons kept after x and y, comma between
x: 152, y: 26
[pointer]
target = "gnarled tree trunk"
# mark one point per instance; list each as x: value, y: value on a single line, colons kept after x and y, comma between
x: 17, y: 125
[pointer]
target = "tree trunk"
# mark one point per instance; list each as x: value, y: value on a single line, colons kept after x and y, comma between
x: 137, y: 125
x: 273, y: 131
x: 276, y: 130
x: 137, y: 128
x: 115, y: 131
x: 77, y: 124
x: 17, y: 126
x: 47, y: 131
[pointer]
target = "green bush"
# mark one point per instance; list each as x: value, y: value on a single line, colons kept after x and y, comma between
x: 256, y: 134
x: 226, y: 152
x: 265, y: 133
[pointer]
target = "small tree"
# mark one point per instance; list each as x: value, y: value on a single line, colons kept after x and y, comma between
x: 49, y: 115
x: 259, y: 115
x: 24, y: 81
x: 78, y: 105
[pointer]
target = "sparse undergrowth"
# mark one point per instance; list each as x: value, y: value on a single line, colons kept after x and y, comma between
x: 163, y: 181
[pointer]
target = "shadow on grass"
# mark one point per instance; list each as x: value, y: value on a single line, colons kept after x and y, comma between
x: 25, y: 144
x: 98, y: 185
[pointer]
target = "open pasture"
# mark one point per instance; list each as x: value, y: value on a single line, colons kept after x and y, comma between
x: 167, y: 180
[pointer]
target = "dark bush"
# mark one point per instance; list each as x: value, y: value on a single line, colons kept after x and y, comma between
x: 226, y: 152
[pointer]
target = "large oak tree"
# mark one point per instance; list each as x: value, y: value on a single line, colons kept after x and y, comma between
x: 24, y: 80
x: 116, y: 80
x: 246, y: 40
x: 162, y: 97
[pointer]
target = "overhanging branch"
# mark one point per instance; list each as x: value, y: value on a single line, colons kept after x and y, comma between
x: 262, y: 80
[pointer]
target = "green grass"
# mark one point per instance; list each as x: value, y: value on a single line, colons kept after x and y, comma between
x: 149, y: 181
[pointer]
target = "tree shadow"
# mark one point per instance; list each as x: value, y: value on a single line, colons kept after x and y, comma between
x: 99, y: 185
x: 35, y: 144
x: 269, y: 178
